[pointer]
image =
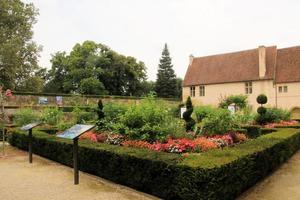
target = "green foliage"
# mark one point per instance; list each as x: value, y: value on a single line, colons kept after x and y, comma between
x: 261, y: 110
x: 262, y: 99
x: 239, y: 100
x: 18, y: 52
x: 203, y: 111
x: 273, y: 115
x: 25, y: 116
x: 149, y: 120
x: 244, y: 117
x: 253, y: 131
x: 91, y: 86
x: 92, y: 68
x: 166, y: 83
x: 187, y: 115
x: 114, y: 111
x: 219, y: 122
x: 172, y: 176
x: 81, y: 116
x: 52, y: 116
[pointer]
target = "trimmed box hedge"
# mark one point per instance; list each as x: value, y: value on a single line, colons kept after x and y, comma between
x: 215, y: 174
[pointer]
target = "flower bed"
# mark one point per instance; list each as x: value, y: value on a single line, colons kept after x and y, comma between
x: 282, y: 124
x: 215, y: 174
x: 183, y: 145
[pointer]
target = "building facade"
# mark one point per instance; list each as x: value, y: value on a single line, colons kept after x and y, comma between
x: 264, y: 70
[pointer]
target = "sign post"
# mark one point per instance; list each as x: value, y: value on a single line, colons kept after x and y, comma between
x: 73, y: 133
x: 29, y: 128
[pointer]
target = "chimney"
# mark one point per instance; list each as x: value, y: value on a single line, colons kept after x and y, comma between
x: 191, y: 59
x: 262, y: 61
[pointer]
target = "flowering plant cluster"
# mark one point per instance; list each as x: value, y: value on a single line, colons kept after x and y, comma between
x: 183, y: 145
x: 281, y: 123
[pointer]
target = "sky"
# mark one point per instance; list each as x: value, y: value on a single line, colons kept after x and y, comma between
x: 140, y: 28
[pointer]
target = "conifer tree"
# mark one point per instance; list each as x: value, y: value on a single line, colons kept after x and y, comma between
x: 166, y: 84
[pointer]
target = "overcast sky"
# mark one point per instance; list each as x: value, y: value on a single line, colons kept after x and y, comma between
x: 140, y: 28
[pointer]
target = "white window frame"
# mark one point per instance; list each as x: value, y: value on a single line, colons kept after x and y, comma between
x: 192, y: 91
x: 202, y: 90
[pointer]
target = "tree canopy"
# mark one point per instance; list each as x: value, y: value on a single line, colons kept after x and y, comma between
x: 96, y: 66
x: 18, y: 52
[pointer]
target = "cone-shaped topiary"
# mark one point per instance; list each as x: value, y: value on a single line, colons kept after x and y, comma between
x: 189, y: 121
x: 262, y: 99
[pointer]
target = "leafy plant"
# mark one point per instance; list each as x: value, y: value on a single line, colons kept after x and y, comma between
x: 203, y: 111
x: 238, y: 100
x: 262, y: 99
x: 25, y: 116
x: 52, y: 116
x: 82, y: 116
x: 218, y: 122
x: 273, y: 115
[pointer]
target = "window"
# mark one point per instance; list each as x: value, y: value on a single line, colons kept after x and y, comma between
x: 202, y: 90
x: 248, y: 87
x: 192, y: 91
x: 282, y: 89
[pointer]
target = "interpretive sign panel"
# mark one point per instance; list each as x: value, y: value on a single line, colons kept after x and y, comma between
x: 30, y: 126
x: 75, y: 131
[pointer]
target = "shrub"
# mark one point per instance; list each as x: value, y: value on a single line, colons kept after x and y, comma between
x: 52, y: 116
x: 215, y: 174
x: 114, y: 111
x: 203, y: 111
x: 25, y: 116
x: 262, y: 99
x: 253, y: 131
x: 82, y: 116
x: 218, y: 122
x: 273, y: 115
x: 187, y: 115
x: 204, y: 144
x: 136, y: 144
x: 238, y: 100
x: 244, y: 117
x: 261, y: 110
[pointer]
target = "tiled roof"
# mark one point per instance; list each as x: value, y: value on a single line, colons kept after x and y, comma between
x: 230, y: 67
x: 288, y: 65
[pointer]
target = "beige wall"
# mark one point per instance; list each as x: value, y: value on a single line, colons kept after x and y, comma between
x: 291, y: 99
x: 215, y: 92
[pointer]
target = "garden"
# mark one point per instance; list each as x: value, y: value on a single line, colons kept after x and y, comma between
x: 205, y: 152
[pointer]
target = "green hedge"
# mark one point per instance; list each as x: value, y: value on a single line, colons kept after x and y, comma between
x: 253, y: 131
x: 215, y: 174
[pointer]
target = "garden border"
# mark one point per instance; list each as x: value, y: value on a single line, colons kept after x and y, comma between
x: 173, y: 176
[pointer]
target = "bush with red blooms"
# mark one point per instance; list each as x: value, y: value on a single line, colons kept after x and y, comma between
x: 88, y: 135
x: 204, y: 144
x: 136, y: 143
x: 281, y: 123
x: 183, y: 145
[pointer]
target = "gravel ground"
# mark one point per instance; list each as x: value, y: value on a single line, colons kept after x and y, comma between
x: 48, y: 180
x: 283, y: 184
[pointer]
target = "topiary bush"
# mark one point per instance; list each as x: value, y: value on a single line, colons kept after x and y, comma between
x: 187, y: 115
x: 261, y: 117
x: 262, y: 99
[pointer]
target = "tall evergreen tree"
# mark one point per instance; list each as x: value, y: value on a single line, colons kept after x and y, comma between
x: 166, y: 84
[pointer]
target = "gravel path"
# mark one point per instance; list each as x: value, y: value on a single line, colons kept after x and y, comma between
x: 47, y: 180
x: 283, y: 184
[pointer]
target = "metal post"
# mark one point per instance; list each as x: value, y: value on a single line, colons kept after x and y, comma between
x: 75, y: 161
x: 30, y: 145
x: 3, y: 139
